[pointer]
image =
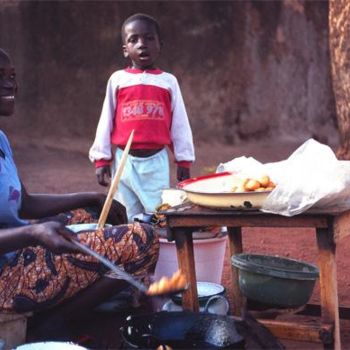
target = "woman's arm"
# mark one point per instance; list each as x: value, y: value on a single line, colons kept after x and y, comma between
x: 35, y: 206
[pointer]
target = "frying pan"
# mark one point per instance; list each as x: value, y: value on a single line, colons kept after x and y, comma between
x: 181, y: 330
x: 190, y: 330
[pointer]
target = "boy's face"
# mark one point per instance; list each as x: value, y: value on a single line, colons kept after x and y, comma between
x: 141, y: 44
x: 8, y: 86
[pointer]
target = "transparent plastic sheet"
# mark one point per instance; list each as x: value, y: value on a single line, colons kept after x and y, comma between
x: 311, y: 177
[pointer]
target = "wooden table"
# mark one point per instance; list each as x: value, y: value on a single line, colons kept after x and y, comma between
x: 183, y: 220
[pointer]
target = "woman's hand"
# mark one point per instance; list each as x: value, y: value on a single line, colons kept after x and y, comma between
x: 117, y: 213
x: 54, y: 236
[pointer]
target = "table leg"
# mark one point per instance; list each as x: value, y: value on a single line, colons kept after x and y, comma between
x: 328, y: 284
x: 185, y: 258
x: 236, y: 247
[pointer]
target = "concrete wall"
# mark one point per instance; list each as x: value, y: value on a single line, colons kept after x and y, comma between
x: 248, y: 69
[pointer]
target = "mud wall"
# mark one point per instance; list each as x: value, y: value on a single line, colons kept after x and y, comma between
x: 247, y: 69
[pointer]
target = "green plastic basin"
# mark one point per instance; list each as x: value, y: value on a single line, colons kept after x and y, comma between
x: 275, y: 281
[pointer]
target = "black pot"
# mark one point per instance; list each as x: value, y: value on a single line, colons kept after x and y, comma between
x: 181, y: 330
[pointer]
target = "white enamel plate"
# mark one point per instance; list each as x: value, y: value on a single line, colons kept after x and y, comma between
x: 215, y: 191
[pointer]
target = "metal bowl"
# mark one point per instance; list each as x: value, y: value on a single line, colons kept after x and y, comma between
x: 205, y: 290
x: 275, y: 281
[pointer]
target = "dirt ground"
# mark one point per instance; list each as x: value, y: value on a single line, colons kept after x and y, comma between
x: 59, y: 166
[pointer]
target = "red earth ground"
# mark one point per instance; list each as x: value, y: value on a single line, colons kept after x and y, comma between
x: 58, y: 166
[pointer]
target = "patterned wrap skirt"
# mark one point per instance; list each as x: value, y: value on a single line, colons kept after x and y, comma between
x: 36, y: 279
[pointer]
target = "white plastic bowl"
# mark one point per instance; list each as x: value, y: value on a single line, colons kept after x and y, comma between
x: 84, y: 227
x: 50, y: 345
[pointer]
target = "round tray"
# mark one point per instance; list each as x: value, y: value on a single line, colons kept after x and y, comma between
x: 213, y: 191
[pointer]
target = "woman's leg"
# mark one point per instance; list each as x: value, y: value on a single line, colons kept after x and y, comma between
x: 57, y: 323
x: 37, y: 280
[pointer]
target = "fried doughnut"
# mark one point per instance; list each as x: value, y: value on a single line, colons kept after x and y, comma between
x: 271, y: 184
x: 176, y: 282
x: 164, y: 347
x: 251, y: 185
x: 264, y: 180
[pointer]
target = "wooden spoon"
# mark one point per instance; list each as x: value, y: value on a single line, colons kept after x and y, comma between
x: 114, y: 185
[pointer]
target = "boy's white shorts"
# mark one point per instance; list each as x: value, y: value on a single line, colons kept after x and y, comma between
x: 142, y: 182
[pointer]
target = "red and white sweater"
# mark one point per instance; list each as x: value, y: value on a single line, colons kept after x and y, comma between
x: 150, y: 102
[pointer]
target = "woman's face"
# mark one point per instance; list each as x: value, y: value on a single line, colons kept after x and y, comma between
x: 8, y: 85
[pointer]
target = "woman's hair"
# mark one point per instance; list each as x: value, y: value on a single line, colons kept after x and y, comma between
x: 140, y: 17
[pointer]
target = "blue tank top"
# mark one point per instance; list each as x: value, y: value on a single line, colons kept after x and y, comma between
x: 10, y: 193
x: 10, y: 187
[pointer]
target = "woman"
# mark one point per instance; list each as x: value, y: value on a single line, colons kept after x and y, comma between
x: 41, y: 270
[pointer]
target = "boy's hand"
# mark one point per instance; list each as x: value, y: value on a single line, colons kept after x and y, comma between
x: 103, y: 175
x: 182, y: 173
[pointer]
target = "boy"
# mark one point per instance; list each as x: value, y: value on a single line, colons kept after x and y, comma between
x: 149, y: 101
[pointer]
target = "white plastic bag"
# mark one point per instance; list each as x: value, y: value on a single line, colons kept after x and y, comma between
x: 311, y: 177
x: 243, y: 167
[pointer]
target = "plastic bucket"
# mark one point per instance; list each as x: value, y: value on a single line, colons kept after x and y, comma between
x: 275, y: 280
x: 209, y: 257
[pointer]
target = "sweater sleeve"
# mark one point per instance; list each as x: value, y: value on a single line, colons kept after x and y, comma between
x: 101, y: 150
x: 181, y: 132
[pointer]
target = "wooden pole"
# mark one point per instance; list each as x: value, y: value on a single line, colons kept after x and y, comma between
x: 114, y: 185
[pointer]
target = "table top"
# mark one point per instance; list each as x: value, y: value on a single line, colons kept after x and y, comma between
x: 190, y: 209
x: 191, y: 215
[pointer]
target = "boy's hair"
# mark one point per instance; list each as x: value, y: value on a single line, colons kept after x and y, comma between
x: 140, y: 17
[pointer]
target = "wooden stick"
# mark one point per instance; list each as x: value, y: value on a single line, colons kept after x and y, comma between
x: 114, y: 185
x: 296, y: 330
